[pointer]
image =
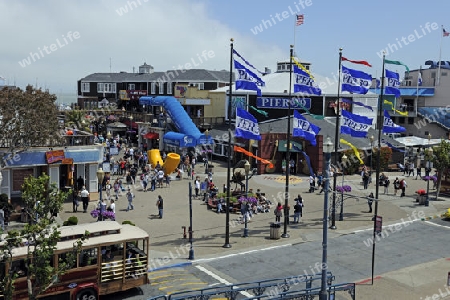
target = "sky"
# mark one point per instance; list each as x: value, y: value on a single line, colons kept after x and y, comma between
x: 51, y: 44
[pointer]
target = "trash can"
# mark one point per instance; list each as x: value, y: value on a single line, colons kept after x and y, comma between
x: 422, y: 199
x: 275, y: 231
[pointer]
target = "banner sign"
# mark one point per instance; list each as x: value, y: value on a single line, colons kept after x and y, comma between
x: 283, y: 103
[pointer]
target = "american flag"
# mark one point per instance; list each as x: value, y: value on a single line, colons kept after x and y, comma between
x: 444, y: 33
x: 300, y: 19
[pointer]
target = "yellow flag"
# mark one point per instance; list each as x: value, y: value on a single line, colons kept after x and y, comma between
x: 402, y: 113
x: 354, y: 150
x: 302, y: 67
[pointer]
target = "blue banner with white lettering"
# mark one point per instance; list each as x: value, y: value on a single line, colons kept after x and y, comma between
x: 355, y: 125
x: 392, y: 84
x: 355, y: 82
x: 389, y: 126
x: 247, y: 80
x: 246, y: 125
x: 303, y: 128
x: 304, y: 84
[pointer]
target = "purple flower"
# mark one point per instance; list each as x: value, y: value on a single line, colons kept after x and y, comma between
x: 108, y: 214
x: 344, y: 188
x: 426, y: 178
x: 245, y: 200
x: 95, y: 213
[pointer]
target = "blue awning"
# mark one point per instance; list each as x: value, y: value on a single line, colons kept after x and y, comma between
x: 179, y: 139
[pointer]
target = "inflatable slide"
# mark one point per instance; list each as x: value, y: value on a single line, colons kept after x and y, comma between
x: 188, y: 135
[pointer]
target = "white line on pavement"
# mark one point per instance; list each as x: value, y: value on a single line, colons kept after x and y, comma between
x: 390, y: 225
x: 203, y: 260
x: 221, y: 280
x: 431, y: 223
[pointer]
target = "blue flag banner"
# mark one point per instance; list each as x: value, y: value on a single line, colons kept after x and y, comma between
x: 247, y: 80
x: 247, y: 62
x: 246, y: 125
x: 356, y: 103
x: 304, y: 83
x: 302, y: 128
x: 392, y: 84
x: 308, y: 161
x: 355, y: 125
x: 378, y: 83
x: 354, y: 81
x: 389, y: 126
x: 392, y: 146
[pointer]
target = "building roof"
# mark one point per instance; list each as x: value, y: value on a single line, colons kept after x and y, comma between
x: 194, y: 75
x: 409, y: 91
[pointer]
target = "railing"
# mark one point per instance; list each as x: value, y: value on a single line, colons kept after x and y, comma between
x: 266, y: 289
x: 133, y: 268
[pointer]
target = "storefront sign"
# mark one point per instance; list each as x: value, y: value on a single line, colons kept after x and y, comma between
x: 54, y: 156
x: 136, y: 94
x: 191, y: 101
x: 283, y: 103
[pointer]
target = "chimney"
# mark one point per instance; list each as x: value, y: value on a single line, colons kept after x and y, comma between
x: 267, y: 71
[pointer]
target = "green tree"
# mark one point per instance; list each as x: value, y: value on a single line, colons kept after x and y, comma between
x: 42, y: 201
x: 385, y: 157
x: 29, y: 118
x: 77, y: 119
x: 441, y: 160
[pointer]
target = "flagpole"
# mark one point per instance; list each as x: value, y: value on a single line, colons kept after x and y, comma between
x: 439, y: 62
x: 380, y: 126
x: 336, y: 144
x: 288, y: 146
x: 295, y: 25
x: 230, y: 98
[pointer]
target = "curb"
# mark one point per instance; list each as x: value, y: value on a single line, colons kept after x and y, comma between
x: 179, y: 265
x: 433, y: 217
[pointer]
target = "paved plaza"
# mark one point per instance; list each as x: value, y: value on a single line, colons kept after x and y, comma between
x: 169, y: 247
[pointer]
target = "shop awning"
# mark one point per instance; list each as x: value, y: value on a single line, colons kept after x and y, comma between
x: 151, y: 136
x: 179, y: 139
x: 295, y: 147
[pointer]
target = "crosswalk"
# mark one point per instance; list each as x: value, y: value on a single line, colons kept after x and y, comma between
x: 174, y: 280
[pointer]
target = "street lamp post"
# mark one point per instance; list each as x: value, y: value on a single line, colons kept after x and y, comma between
x: 247, y: 171
x: 344, y: 160
x: 131, y: 127
x: 429, y: 156
x: 191, y: 248
x: 100, y: 176
x: 327, y: 149
x: 207, y: 138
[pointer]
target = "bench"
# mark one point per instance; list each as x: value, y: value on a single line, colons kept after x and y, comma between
x: 393, y: 168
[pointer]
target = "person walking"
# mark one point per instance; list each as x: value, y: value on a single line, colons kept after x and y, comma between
x: 130, y: 197
x: 197, y: 186
x: 278, y: 212
x: 102, y: 209
x: 386, y: 184
x: 75, y: 203
x: 419, y: 171
x: 112, y: 208
x: 396, y: 186
x: 403, y: 186
x: 160, y: 205
x: 108, y: 190
x: 84, y: 198
x: 297, y: 211
x: 370, y: 201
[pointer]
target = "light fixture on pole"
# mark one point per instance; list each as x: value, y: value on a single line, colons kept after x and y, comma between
x: 344, y: 160
x: 191, y: 248
x: 247, y: 171
x: 327, y: 149
x: 100, y: 176
x: 108, y: 135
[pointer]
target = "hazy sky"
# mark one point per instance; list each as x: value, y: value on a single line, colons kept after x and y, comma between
x: 55, y: 43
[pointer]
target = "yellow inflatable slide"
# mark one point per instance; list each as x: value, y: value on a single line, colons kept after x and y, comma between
x: 171, y: 163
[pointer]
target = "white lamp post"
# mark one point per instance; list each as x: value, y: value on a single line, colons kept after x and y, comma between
x: 327, y: 149
x: 344, y: 160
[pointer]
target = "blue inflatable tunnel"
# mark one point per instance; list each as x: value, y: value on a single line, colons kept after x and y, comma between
x: 187, y: 129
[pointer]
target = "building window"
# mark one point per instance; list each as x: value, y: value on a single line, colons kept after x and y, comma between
x: 410, y: 120
x: 433, y: 74
x: 401, y: 120
x: 443, y: 73
x: 169, y: 88
x: 199, y: 85
x: 153, y: 88
x: 106, y: 87
x: 161, y: 88
x: 85, y: 87
x: 280, y: 67
x: 131, y: 86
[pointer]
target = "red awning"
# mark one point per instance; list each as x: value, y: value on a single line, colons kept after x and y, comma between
x: 151, y: 136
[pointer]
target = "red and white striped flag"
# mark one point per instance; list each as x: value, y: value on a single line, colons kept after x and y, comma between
x: 300, y: 19
x: 444, y: 33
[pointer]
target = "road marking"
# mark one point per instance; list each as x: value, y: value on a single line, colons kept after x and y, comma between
x: 203, y: 260
x: 391, y: 225
x: 222, y: 280
x: 431, y: 223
